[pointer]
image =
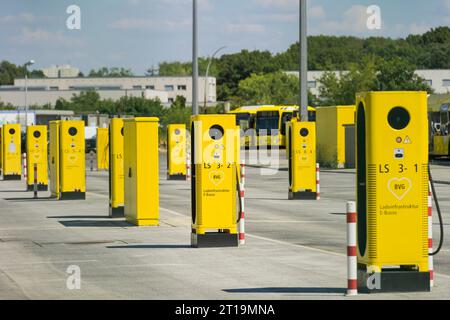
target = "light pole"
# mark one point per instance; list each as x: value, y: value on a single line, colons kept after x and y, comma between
x: 303, y: 74
x: 194, y: 60
x: 26, y: 65
x: 207, y: 71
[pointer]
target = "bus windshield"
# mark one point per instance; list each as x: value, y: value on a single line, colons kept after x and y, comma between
x: 243, y: 120
x: 267, y: 120
x: 287, y: 116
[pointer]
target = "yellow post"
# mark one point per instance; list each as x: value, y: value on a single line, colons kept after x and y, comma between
x: 116, y: 176
x: 302, y: 160
x: 72, y: 160
x: 54, y: 158
x: 176, y: 152
x: 37, y: 154
x: 12, y: 159
x: 331, y: 133
x: 214, y: 180
x: 392, y: 189
x: 1, y: 149
x: 102, y: 149
x: 141, y: 165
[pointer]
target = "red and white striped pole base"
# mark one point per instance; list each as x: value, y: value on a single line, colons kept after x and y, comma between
x: 430, y: 237
x: 24, y: 165
x: 242, y: 213
x: 35, y: 184
x: 318, y: 181
x: 188, y: 166
x: 352, y: 263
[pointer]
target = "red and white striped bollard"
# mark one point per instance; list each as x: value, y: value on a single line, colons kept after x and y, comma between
x: 317, y: 181
x: 24, y: 165
x: 352, y: 263
x: 35, y: 185
x: 188, y: 166
x: 242, y: 213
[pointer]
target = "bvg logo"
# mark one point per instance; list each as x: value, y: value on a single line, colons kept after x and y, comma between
x: 399, y: 187
x: 216, y: 177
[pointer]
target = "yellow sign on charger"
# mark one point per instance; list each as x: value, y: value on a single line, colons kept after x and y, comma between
x: 37, y: 155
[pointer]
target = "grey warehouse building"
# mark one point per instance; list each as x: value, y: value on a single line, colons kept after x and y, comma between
x: 48, y: 90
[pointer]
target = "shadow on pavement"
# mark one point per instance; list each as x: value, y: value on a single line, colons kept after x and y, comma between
x: 30, y: 199
x: 152, y: 246
x: 94, y: 223
x: 79, y: 217
x: 288, y: 290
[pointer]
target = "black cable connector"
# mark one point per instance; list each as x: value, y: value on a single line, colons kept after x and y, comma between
x: 441, y: 224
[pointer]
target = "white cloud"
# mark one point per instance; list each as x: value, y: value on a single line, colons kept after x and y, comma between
x: 247, y: 28
x: 43, y: 37
x: 316, y: 12
x: 18, y: 19
x: 353, y: 21
x: 149, y: 24
x: 277, y: 3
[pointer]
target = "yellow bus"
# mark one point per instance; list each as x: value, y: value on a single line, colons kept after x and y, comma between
x: 270, y: 124
x: 245, y: 119
x: 440, y: 139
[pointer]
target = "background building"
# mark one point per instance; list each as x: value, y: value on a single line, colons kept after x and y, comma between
x: 438, y: 79
x: 63, y: 71
x: 49, y: 90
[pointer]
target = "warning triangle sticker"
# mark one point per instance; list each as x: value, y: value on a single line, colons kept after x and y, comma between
x: 407, y: 140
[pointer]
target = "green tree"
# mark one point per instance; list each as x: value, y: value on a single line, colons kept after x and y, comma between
x: 397, y: 75
x: 234, y: 68
x: 9, y: 71
x: 6, y: 106
x: 176, y: 68
x: 105, y: 72
x: 341, y: 89
x: 85, y: 101
x: 273, y: 88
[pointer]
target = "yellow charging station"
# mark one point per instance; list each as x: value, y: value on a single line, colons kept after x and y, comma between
x: 102, y: 148
x: 72, y: 160
x: 11, y: 152
x: 54, y: 158
x: 116, y: 177
x: 37, y: 154
x: 301, y: 152
x: 176, y: 152
x: 215, y: 149
x: 392, y: 191
x: 141, y: 171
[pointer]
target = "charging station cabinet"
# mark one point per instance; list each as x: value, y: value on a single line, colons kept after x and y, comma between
x: 116, y: 177
x: 141, y: 163
x: 301, y: 152
x: 102, y: 146
x: 11, y: 152
x: 215, y: 146
x: 392, y: 191
x: 37, y: 155
x: 176, y: 152
x: 72, y: 161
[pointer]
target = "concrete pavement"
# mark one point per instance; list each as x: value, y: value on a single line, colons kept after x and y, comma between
x: 294, y: 250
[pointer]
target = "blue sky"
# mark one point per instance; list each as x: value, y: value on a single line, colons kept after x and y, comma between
x: 137, y: 34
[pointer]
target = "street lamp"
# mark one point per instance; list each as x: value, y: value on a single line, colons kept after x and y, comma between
x: 26, y: 65
x: 303, y: 72
x: 194, y: 59
x: 207, y: 71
